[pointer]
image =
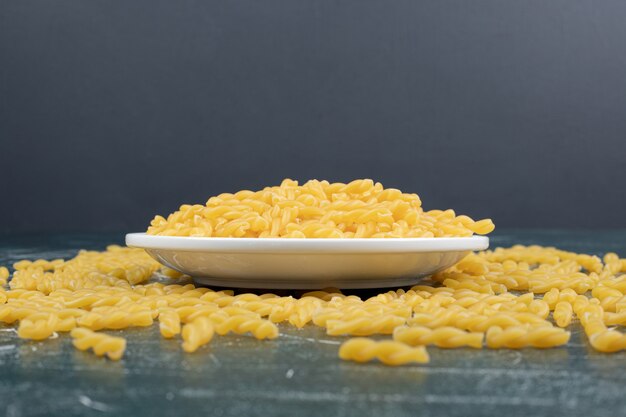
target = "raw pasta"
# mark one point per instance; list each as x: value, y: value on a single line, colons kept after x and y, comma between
x: 563, y: 312
x: 102, y: 344
x: 115, y: 318
x: 4, y: 275
x: 244, y: 323
x: 316, y: 209
x: 516, y: 337
x: 364, y: 326
x: 468, y: 305
x: 197, y: 333
x: 445, y: 337
x: 169, y: 323
x: 360, y: 349
x: 37, y: 326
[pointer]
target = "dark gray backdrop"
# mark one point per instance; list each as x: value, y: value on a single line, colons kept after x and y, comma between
x: 112, y: 111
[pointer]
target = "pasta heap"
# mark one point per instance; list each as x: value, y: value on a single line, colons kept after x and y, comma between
x: 317, y: 209
x: 502, y: 299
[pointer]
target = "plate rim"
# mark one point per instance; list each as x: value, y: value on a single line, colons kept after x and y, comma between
x: 307, y: 245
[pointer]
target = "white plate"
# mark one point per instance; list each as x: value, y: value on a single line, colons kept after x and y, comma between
x: 307, y: 263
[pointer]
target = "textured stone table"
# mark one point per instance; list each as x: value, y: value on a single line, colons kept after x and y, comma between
x: 299, y: 374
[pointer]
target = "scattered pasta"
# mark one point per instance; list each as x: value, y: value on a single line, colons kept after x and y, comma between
x: 519, y: 297
x: 316, y: 209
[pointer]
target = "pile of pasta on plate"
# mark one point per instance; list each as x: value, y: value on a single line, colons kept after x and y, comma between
x: 317, y: 209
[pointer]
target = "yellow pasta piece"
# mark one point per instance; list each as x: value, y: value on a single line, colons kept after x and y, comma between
x: 102, y: 344
x: 615, y: 319
x: 169, y: 323
x: 37, y: 326
x: 364, y: 326
x: 554, y: 296
x: 197, y: 333
x: 517, y: 337
x: 563, y: 313
x: 360, y: 349
x: 4, y: 275
x: 444, y: 337
x: 64, y: 324
x: 170, y: 273
x: 608, y: 297
x: 351, y: 312
x: 240, y: 324
x: 189, y: 313
x: 540, y: 308
x: 115, y: 319
x: 608, y: 341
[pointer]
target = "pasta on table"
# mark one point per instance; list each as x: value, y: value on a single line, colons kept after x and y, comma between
x: 86, y: 295
x: 506, y: 298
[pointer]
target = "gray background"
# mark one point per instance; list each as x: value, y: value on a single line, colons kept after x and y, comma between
x: 112, y: 111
